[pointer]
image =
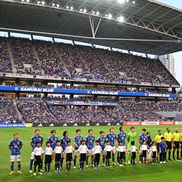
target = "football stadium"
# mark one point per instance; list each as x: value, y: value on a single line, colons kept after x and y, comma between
x: 84, y: 95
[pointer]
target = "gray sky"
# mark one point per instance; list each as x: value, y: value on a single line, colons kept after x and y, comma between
x: 178, y: 56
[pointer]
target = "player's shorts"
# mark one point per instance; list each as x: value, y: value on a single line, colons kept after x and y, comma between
x: 157, y: 147
x: 83, y: 157
x: 169, y: 145
x: 38, y: 160
x: 176, y: 143
x: 97, y: 157
x: 121, y: 155
x: 154, y: 155
x: 58, y: 157
x: 108, y: 155
x: 144, y: 153
x: 69, y: 157
x: 76, y: 151
x: 32, y: 156
x: 114, y: 149
x: 48, y: 159
x: 133, y: 155
x: 102, y: 147
x: 14, y: 158
x: 90, y: 152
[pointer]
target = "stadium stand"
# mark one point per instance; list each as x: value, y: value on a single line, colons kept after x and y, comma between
x: 34, y: 110
x: 70, y: 61
x: 8, y: 111
x: 61, y: 60
x: 168, y: 106
x: 24, y: 58
x: 5, y: 63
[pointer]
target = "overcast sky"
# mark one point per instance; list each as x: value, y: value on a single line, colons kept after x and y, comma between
x: 178, y: 56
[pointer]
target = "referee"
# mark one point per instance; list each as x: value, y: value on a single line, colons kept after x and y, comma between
x: 158, y: 141
x: 168, y: 137
x: 176, y: 143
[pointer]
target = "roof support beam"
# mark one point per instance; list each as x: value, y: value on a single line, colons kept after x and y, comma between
x: 149, y: 26
x: 138, y: 10
x: 92, y: 25
x: 159, y: 17
x: 150, y: 13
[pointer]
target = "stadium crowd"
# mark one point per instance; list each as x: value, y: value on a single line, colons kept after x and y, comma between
x: 168, y: 106
x: 81, y: 110
x: 8, y: 111
x: 53, y: 59
x: 24, y: 57
x: 34, y: 110
x: 5, y: 63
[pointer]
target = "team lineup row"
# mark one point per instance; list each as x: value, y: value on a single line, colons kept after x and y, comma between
x: 126, y: 150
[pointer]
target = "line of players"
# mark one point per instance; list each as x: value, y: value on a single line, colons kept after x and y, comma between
x: 58, y: 150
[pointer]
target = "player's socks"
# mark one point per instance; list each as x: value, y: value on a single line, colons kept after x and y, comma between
x: 31, y: 164
x: 56, y: 166
x: 81, y: 165
x: 12, y: 167
x: 61, y: 163
x: 41, y: 165
x: 103, y: 160
x: 169, y: 155
x: 87, y: 160
x: 19, y: 167
x: 67, y: 166
x: 113, y: 158
x: 174, y: 155
x: 46, y: 170
x: 177, y: 154
x: 92, y: 160
x: 74, y: 161
x: 49, y: 167
x: 35, y: 166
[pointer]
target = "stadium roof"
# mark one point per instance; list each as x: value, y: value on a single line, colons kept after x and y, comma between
x: 145, y: 26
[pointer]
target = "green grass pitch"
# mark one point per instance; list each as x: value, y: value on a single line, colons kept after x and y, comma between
x: 169, y: 172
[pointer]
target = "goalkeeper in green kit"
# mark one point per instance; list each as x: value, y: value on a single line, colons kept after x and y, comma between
x: 132, y: 136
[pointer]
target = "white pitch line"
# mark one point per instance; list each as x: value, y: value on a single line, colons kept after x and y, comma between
x: 178, y: 160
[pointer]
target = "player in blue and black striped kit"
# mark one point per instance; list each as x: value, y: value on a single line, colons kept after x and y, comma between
x: 15, y: 146
x: 143, y: 137
x: 35, y: 139
x: 102, y: 143
x: 77, y: 141
x: 53, y: 139
x: 122, y: 136
x: 90, y: 145
x: 64, y: 142
x: 111, y: 137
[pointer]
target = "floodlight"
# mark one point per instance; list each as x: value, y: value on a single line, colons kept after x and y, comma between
x: 120, y: 19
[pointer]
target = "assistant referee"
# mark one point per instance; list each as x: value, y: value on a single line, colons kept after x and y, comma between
x: 168, y: 137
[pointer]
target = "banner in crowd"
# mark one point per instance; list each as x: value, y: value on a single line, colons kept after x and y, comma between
x: 151, y: 123
x: 81, y: 103
x: 12, y: 125
x: 125, y: 123
x: 84, y: 92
